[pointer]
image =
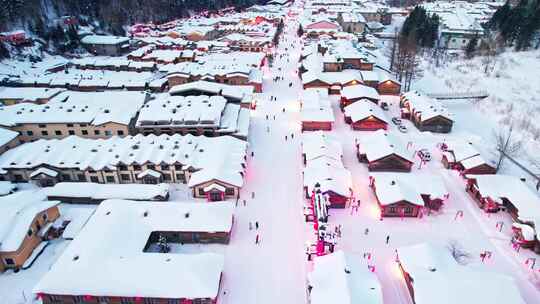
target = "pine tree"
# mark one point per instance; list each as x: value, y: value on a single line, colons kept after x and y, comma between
x: 470, y: 48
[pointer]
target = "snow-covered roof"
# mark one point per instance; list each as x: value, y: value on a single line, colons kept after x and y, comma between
x: 425, y: 106
x: 391, y: 188
x: 342, y: 278
x: 17, y: 211
x: 320, y: 144
x: 102, y: 39
x: 360, y: 91
x: 179, y: 110
x: 363, y: 109
x: 438, y: 278
x: 108, y: 191
x: 512, y: 188
x: 104, y: 260
x: 94, y: 108
x: 28, y: 94
x: 6, y: 136
x: 378, y: 144
x: 330, y: 178
x: 316, y: 106
x: 237, y: 93
x: 214, y: 157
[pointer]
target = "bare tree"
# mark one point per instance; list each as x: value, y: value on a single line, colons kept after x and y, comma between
x: 458, y: 253
x: 507, y: 145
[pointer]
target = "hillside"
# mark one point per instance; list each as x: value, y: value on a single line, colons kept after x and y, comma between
x: 514, y: 90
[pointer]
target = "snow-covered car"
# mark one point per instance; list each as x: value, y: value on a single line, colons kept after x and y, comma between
x: 402, y: 129
x: 396, y: 121
x: 384, y: 106
x: 424, y: 155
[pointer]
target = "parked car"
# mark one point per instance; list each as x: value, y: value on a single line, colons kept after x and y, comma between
x: 424, y: 155
x: 402, y: 129
x: 396, y: 120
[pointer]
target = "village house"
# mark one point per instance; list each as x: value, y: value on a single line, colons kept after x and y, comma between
x: 105, y: 45
x: 94, y: 193
x: 198, y: 161
x: 242, y: 95
x: 197, y: 115
x: 324, y: 169
x: 495, y: 193
x: 148, y: 253
x: 364, y: 115
x: 354, y: 93
x: 90, y: 115
x: 406, y: 195
x: 11, y: 96
x: 383, y: 152
x: 426, y: 114
x: 431, y: 270
x: 344, y: 278
x: 464, y: 157
x: 24, y: 220
x: 334, y: 82
x: 351, y: 22
x: 244, y: 43
x: 8, y: 139
x: 316, y: 110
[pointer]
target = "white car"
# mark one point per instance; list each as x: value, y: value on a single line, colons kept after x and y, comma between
x: 402, y: 129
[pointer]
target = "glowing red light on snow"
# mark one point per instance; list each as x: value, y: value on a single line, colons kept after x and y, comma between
x: 40, y: 295
x: 87, y: 298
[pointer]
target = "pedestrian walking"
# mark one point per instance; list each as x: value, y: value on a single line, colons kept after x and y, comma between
x: 283, y: 110
x: 274, y: 117
x: 285, y: 137
x: 252, y: 194
x: 244, y: 203
x: 257, y: 239
x: 250, y: 226
x: 268, y: 129
x: 292, y: 135
x: 252, y: 153
x: 366, y: 231
x: 266, y: 116
x: 257, y: 225
x: 387, y: 239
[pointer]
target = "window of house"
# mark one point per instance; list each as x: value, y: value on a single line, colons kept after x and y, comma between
x: 9, y: 261
x: 177, y: 167
x: 71, y: 132
x: 120, y: 132
x: 42, y: 126
x: 126, y: 301
x: 70, y: 125
x: 83, y: 125
x: 108, y: 133
x: 84, y: 132
x: 150, y: 301
x: 165, y: 167
x: 408, y: 210
x: 136, y: 167
x: 44, y: 133
x: 96, y: 132
x: 55, y: 299
x: 125, y: 177
x: 29, y: 232
x: 58, y: 132
x: 229, y: 191
x: 29, y: 133
x: 44, y: 216
x: 18, y: 177
x: 122, y: 167
x: 201, y: 191
x: 109, y: 179
x: 94, y: 179
x: 151, y: 167
x: 173, y: 301
x: 66, y: 177
x: 81, y: 177
x: 78, y: 299
x: 181, y: 178
x: 167, y: 177
x: 392, y: 209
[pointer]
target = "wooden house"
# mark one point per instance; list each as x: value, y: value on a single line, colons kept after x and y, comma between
x: 363, y: 115
x: 354, y: 93
x: 383, y: 152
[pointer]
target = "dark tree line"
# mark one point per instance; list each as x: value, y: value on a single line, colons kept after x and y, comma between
x: 517, y: 25
x: 111, y: 14
x: 424, y: 28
